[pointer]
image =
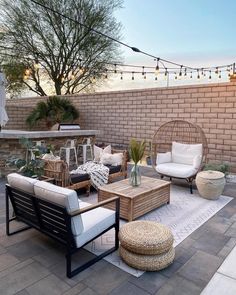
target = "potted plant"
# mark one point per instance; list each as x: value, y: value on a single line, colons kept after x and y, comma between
x: 136, y: 151
x: 33, y: 167
x: 222, y: 167
x: 54, y: 111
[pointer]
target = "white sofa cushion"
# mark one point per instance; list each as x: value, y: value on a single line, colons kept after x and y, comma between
x: 95, y: 222
x: 21, y: 182
x: 111, y: 159
x: 185, y: 153
x: 61, y: 196
x: 176, y: 170
x: 99, y: 151
x: 163, y: 158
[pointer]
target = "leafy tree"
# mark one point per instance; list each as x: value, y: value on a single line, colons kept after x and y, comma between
x: 54, y: 110
x: 60, y: 56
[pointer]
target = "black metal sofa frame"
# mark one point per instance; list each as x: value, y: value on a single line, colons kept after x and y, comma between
x: 54, y: 221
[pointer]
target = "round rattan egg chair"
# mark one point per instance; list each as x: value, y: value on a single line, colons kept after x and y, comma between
x: 181, y: 133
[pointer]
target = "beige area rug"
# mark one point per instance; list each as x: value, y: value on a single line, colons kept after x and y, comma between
x: 183, y: 215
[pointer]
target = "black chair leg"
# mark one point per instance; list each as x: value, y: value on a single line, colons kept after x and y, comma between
x: 8, y: 220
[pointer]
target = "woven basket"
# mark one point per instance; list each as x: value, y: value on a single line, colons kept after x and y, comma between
x: 210, y: 184
x: 147, y: 262
x: 146, y: 237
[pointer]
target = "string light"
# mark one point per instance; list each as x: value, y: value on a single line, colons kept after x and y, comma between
x: 157, y: 67
x: 115, y: 71
x: 219, y: 74
x: 210, y: 75
x: 143, y: 71
x: 132, y: 75
x: 121, y: 75
x: 106, y: 74
x: 27, y: 72
x: 191, y: 75
x: 36, y: 65
x: 144, y: 77
x: 198, y: 75
x: 185, y: 73
x: 180, y: 72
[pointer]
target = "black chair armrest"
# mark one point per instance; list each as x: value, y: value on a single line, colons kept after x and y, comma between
x: 94, y: 206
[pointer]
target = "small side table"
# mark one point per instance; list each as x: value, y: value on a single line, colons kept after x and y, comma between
x: 210, y: 184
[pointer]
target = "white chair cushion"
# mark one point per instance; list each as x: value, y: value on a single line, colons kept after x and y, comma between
x: 176, y: 170
x: 98, y: 152
x: 163, y: 158
x: 95, y: 222
x: 185, y: 153
x: 21, y: 182
x: 111, y: 159
x: 61, y: 196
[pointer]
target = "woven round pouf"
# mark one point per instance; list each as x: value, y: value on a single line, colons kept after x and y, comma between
x: 210, y: 184
x: 146, y: 245
x: 146, y: 237
x: 148, y: 262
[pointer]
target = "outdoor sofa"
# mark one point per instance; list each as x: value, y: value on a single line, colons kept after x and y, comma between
x: 58, y: 213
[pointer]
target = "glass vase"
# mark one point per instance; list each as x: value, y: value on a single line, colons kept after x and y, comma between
x: 135, y: 176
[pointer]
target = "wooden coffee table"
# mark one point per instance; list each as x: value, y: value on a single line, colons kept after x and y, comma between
x: 137, y: 201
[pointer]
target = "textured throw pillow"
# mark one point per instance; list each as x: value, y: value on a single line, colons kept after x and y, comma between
x: 98, y: 152
x: 111, y: 159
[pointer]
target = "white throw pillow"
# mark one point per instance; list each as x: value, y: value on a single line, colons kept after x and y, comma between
x: 197, y: 161
x: 111, y: 159
x: 163, y: 158
x: 185, y: 153
x: 98, y: 152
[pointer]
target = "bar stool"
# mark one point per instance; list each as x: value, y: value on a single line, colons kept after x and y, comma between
x: 30, y: 152
x: 68, y: 148
x: 86, y: 148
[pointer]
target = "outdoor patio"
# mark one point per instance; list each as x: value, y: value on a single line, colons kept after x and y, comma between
x: 31, y: 263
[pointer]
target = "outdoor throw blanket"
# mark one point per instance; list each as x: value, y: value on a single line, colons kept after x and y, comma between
x: 98, y: 173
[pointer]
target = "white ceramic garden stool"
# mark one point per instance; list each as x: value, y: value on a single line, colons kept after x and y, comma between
x: 69, y: 148
x: 210, y: 184
x: 87, y: 150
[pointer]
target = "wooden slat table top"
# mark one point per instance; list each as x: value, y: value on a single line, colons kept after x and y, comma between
x: 123, y: 188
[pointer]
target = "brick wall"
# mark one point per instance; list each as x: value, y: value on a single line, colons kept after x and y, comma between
x: 138, y: 113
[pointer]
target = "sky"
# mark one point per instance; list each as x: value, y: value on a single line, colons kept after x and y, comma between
x: 197, y: 33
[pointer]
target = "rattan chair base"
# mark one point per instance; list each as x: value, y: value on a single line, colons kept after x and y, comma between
x: 146, y: 237
x: 147, y: 262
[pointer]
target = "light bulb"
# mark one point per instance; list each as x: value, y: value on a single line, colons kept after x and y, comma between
x: 27, y: 72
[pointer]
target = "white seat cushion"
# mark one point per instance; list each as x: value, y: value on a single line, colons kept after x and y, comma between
x: 61, y: 196
x: 95, y: 222
x: 176, y: 170
x: 21, y: 182
x: 185, y: 153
